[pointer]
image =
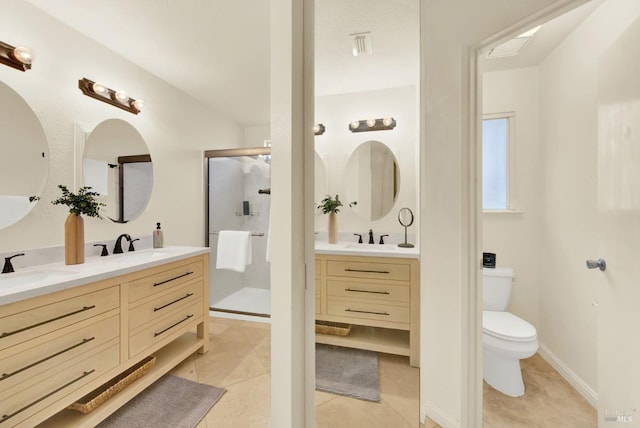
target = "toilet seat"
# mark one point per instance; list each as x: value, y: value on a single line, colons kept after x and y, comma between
x: 506, y: 326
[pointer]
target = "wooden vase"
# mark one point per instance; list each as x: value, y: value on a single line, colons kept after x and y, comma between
x: 333, y: 228
x: 74, y: 240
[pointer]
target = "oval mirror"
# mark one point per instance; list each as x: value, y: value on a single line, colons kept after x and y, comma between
x: 320, y: 179
x: 372, y: 180
x: 24, y: 159
x: 117, y: 164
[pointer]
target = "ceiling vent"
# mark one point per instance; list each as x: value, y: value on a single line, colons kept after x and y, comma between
x: 514, y: 46
x: 361, y: 43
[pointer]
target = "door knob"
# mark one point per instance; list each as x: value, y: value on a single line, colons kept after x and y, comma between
x: 600, y: 264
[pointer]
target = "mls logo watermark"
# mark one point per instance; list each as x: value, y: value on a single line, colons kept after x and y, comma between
x: 623, y: 416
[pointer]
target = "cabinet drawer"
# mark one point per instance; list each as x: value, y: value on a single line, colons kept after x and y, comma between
x: 177, y: 298
x: 368, y: 311
x: 167, y: 328
x: 45, y: 318
x: 46, y: 354
x: 371, y: 270
x: 54, y: 385
x: 161, y: 281
x: 369, y: 290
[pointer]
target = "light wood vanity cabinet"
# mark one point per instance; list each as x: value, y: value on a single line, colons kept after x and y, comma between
x: 378, y: 296
x: 56, y: 348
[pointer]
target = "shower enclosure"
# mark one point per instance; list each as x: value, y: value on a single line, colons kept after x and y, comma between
x: 238, y: 199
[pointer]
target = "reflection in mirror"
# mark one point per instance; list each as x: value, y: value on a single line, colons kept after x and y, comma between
x: 24, y: 157
x: 321, y: 184
x: 117, y: 165
x: 372, y: 180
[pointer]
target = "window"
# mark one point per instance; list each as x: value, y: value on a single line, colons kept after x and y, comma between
x: 496, y: 142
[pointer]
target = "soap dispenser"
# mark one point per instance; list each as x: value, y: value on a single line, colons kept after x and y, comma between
x: 157, y: 237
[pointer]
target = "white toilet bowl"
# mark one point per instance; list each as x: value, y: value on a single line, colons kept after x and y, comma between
x: 506, y: 339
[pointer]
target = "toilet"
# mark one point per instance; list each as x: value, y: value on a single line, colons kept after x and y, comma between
x: 506, y: 339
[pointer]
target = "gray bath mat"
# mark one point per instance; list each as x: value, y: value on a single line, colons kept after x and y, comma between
x: 347, y: 371
x: 171, y: 402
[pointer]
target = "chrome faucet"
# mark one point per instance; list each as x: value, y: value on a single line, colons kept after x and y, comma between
x: 8, y: 267
x: 371, y: 236
x: 117, y: 249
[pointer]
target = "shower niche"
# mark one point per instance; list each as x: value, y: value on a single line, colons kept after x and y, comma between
x: 238, y: 199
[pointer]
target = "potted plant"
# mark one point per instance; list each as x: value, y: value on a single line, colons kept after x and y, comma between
x: 331, y: 206
x: 84, y: 202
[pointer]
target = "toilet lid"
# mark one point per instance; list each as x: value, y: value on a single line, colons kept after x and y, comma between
x: 505, y: 325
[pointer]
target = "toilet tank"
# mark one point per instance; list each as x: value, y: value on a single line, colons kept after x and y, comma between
x: 496, y: 288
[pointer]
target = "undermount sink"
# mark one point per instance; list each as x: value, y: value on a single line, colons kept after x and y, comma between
x: 142, y: 255
x: 370, y: 247
x: 24, y: 278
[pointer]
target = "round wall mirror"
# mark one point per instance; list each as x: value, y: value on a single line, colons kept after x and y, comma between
x: 24, y: 157
x: 320, y: 181
x: 372, y: 180
x: 117, y: 165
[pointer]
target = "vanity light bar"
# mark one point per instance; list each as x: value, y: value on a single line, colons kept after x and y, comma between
x: 372, y: 125
x: 19, y: 57
x: 119, y: 99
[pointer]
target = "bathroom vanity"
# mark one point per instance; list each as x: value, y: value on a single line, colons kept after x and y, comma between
x: 66, y: 330
x: 376, y: 290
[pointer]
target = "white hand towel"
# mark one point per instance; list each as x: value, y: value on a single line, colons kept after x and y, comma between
x: 234, y: 250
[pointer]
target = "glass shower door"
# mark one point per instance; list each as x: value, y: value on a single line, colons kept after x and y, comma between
x: 239, y: 200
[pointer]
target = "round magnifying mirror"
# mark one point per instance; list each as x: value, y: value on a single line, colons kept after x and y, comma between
x: 24, y: 157
x: 117, y: 165
x: 405, y: 217
x: 372, y: 180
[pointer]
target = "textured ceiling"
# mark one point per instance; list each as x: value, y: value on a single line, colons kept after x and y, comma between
x: 218, y: 50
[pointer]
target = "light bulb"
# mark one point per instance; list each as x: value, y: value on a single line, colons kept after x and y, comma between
x: 387, y: 121
x: 122, y: 96
x: 371, y: 123
x: 22, y: 54
x: 99, y: 88
x: 138, y: 104
x: 316, y: 128
x: 355, y: 124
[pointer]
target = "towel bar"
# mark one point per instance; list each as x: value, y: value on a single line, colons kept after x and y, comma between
x: 252, y: 233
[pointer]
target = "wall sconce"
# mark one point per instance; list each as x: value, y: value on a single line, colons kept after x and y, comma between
x: 19, y: 57
x: 318, y: 129
x: 372, y: 125
x: 119, y: 99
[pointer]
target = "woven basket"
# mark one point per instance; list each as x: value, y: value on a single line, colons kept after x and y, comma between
x: 101, y: 394
x: 335, y: 328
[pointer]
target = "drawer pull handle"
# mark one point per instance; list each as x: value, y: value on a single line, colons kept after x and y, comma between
x: 366, y: 312
x: 85, y: 308
x: 172, y: 279
x: 171, y: 326
x: 7, y: 417
x: 171, y: 303
x: 366, y: 291
x: 8, y: 375
x: 366, y: 271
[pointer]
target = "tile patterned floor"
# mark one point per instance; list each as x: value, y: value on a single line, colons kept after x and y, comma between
x: 239, y: 360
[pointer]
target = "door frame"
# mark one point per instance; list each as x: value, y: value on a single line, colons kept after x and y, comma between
x: 472, y: 198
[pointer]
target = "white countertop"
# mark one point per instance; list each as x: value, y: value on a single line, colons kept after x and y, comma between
x: 371, y: 250
x: 44, y: 279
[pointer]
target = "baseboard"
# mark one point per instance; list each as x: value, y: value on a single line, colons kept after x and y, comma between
x: 438, y: 415
x: 574, y: 380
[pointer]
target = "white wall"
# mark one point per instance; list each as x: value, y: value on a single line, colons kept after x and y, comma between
x: 514, y: 237
x: 569, y: 84
x: 337, y: 144
x: 175, y: 127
